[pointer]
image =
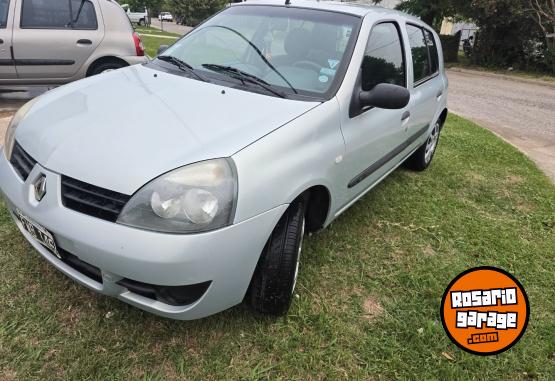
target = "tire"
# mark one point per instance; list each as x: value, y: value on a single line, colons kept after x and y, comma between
x: 422, y: 158
x: 106, y: 67
x: 273, y: 283
x: 142, y: 22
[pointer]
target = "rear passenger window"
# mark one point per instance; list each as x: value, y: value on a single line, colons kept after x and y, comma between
x: 84, y: 15
x: 383, y: 61
x: 58, y: 14
x: 432, y: 48
x: 4, y: 6
x: 420, y: 55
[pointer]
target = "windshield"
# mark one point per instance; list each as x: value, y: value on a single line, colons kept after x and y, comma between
x: 296, y: 51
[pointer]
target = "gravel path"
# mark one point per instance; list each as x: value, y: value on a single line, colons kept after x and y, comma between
x: 520, y: 111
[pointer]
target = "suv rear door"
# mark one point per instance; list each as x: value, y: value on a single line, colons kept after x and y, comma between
x: 54, y: 38
x: 7, y: 66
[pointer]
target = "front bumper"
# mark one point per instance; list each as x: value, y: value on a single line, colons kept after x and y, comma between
x: 226, y: 258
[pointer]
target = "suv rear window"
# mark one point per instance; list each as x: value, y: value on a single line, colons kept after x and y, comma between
x: 425, y: 58
x: 4, y: 6
x: 56, y: 14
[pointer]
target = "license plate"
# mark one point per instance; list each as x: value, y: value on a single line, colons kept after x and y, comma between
x: 43, y: 236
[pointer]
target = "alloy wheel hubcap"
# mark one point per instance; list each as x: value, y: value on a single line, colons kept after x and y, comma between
x: 431, y: 143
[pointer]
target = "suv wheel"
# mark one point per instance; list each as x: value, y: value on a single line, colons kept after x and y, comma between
x: 106, y: 67
x: 421, y: 159
x: 142, y: 22
x: 275, y: 277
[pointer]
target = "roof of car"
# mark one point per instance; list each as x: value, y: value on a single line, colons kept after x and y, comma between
x: 335, y: 6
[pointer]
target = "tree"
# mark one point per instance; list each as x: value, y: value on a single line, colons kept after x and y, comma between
x: 195, y: 11
x: 432, y: 12
x: 511, y: 33
x: 544, y: 15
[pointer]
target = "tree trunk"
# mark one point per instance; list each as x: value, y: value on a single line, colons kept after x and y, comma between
x: 429, y: 18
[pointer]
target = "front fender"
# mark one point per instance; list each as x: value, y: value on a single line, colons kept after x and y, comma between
x: 283, y: 164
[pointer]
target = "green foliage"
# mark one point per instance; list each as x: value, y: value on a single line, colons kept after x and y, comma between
x: 195, y: 11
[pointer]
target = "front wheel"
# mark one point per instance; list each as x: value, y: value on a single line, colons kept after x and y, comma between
x: 141, y: 22
x: 421, y: 159
x: 275, y: 277
x: 106, y: 67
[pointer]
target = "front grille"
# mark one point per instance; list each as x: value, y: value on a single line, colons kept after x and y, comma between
x: 92, y: 200
x: 84, y: 268
x: 22, y: 162
x: 172, y: 295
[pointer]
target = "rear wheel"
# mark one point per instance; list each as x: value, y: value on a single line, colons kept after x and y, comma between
x: 275, y: 277
x: 421, y: 159
x: 142, y: 22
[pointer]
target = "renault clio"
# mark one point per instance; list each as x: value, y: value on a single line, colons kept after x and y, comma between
x: 265, y: 123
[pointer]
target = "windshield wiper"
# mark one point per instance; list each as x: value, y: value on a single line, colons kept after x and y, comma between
x: 243, y: 76
x: 183, y: 66
x: 260, y: 54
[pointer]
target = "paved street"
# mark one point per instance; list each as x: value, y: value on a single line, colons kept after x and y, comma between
x: 520, y: 111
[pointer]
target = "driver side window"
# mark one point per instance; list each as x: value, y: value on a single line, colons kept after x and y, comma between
x: 383, y: 60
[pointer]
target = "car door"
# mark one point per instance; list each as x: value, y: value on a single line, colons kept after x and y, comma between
x: 54, y: 38
x: 7, y: 65
x: 427, y: 88
x: 373, y: 135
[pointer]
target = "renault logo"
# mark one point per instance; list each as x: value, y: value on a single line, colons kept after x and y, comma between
x: 40, y: 187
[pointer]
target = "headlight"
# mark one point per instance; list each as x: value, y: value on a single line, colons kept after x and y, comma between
x: 9, y: 140
x: 192, y: 199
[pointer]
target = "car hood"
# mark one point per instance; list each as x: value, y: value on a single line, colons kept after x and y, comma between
x: 120, y: 130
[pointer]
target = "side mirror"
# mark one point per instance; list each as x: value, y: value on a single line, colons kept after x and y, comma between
x: 386, y: 96
x: 162, y: 49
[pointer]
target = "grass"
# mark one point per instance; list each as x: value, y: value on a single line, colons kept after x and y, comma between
x: 465, y: 63
x: 368, y: 294
x: 153, y: 38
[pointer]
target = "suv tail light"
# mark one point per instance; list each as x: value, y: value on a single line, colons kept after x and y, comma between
x: 139, y: 47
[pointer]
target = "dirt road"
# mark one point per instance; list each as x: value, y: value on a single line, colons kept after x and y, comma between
x: 521, y: 112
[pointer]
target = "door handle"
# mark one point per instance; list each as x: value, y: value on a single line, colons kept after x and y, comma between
x: 405, y: 116
x: 1, y: 41
x: 84, y: 41
x: 439, y: 94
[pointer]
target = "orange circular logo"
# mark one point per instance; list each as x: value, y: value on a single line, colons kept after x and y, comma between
x: 485, y: 311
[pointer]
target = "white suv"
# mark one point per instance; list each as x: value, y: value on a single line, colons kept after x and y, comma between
x: 55, y: 42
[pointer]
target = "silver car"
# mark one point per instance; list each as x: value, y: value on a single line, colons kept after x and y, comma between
x: 59, y: 41
x: 264, y: 124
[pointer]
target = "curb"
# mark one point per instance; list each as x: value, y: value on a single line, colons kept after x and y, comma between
x: 513, y: 78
